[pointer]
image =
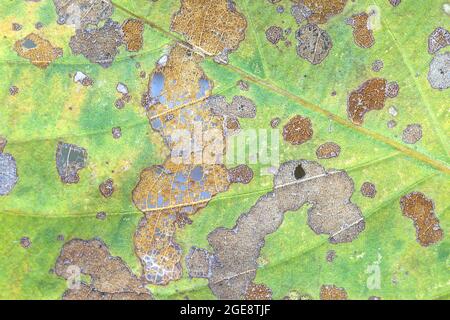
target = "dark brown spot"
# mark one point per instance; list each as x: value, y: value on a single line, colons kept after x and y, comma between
x: 107, y: 188
x: 328, y: 150
x: 368, y: 189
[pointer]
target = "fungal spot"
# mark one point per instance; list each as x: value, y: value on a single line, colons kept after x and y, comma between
x: 362, y: 34
x: 377, y: 65
x: 98, y: 45
x: 328, y: 150
x: 214, y: 26
x: 240, y: 174
x: 110, y: 276
x: 25, y: 242
x: 331, y: 255
x: 13, y: 90
x: 298, y: 130
x: 412, y: 133
x: 198, y: 262
x: 106, y: 188
x: 116, y: 132
x: 243, y: 85
x: 275, y: 122
x: 69, y: 160
x: 83, y: 79
x: 331, y: 292
x: 16, y: 26
x: 439, y: 74
x: 420, y: 209
x: 101, y: 215
x: 438, y: 39
x: 39, y: 51
x: 395, y: 3
x: 314, y: 44
x: 300, y: 12
x: 368, y: 190
x: 274, y: 34
x: 391, y: 124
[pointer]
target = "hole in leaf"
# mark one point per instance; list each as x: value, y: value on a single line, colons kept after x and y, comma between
x: 299, y: 172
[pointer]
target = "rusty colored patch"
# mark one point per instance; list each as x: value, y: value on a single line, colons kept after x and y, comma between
x: 331, y: 292
x: 323, y: 10
x: 420, y: 209
x: 240, y: 174
x: 214, y: 26
x: 371, y: 95
x: 107, y: 188
x: 362, y: 35
x: 132, y: 34
x: 328, y: 150
x: 258, y: 292
x: 39, y: 51
x: 298, y: 130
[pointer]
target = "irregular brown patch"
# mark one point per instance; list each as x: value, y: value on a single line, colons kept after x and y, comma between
x: 323, y: 10
x: 133, y: 30
x: 331, y: 292
x: 328, y: 150
x: 236, y: 251
x: 240, y: 174
x: 214, y: 26
x: 371, y: 95
x: 362, y: 35
x: 368, y: 190
x: 298, y: 130
x: 420, y: 209
x: 39, y: 51
x: 438, y: 39
x: 110, y: 276
x: 258, y: 292
x: 106, y: 188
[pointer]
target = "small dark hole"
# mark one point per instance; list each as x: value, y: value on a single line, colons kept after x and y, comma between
x: 299, y: 172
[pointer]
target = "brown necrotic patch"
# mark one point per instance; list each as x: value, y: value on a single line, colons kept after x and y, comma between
x: 328, y: 150
x: 110, y: 276
x: 258, y: 292
x: 298, y: 130
x: 177, y: 100
x: 371, y: 95
x: 106, y: 188
x: 323, y: 10
x: 331, y: 292
x: 133, y: 30
x: 235, y: 251
x: 362, y: 35
x: 213, y: 26
x: 420, y: 209
x: 39, y: 51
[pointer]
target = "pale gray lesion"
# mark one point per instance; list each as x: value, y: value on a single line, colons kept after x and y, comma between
x: 8, y: 171
x: 314, y: 44
x: 236, y: 250
x: 439, y: 74
x: 69, y: 160
x: 81, y: 13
